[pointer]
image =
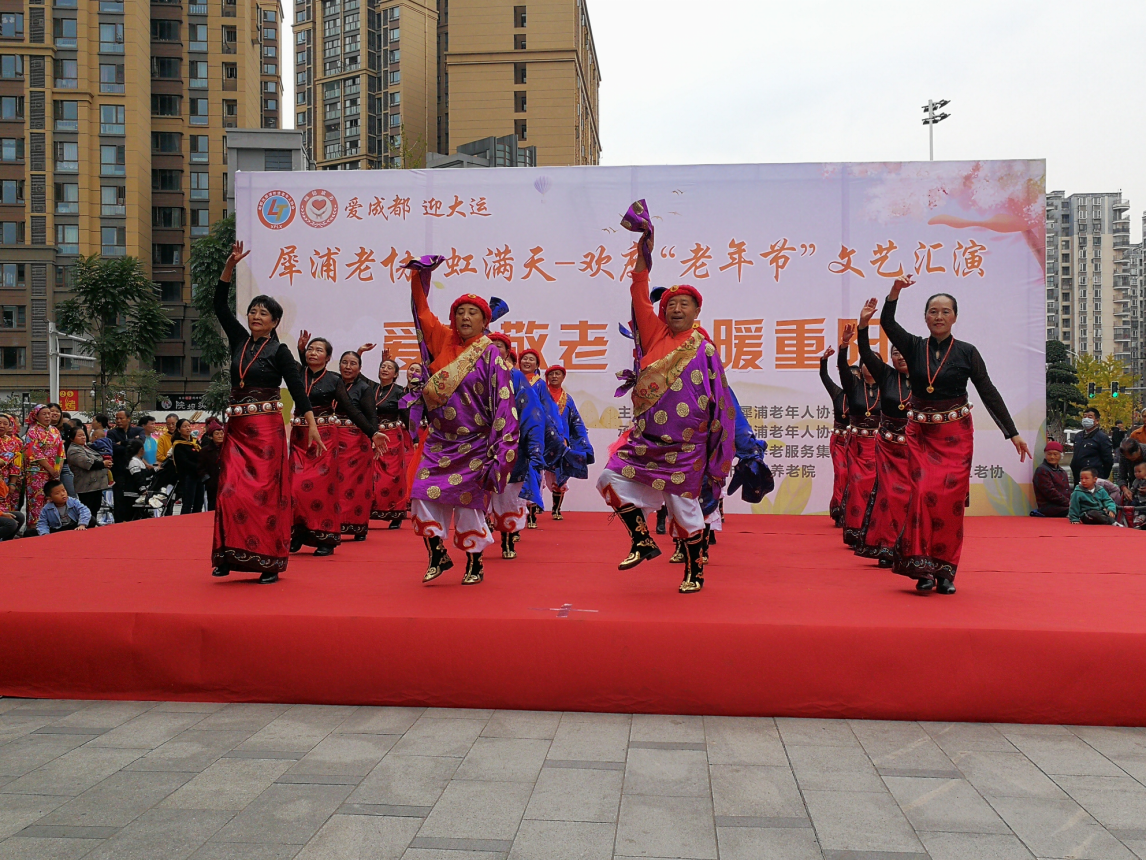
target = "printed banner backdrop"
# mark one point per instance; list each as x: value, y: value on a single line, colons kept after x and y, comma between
x: 785, y: 256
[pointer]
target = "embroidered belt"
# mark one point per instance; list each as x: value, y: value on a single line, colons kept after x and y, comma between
x: 321, y: 421
x: 890, y: 436
x: 947, y: 417
x: 253, y: 408
x: 389, y: 425
x: 837, y: 431
x: 864, y: 431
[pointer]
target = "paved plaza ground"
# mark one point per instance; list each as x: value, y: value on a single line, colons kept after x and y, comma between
x: 148, y: 780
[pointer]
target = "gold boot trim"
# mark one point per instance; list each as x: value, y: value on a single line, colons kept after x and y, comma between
x: 432, y: 574
x: 678, y: 556
x: 691, y: 586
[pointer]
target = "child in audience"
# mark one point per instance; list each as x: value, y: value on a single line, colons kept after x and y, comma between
x: 61, y: 512
x: 1138, y: 495
x: 1089, y: 503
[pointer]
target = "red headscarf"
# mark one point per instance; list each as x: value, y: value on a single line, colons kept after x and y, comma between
x: 471, y: 299
x: 682, y: 290
x: 501, y: 337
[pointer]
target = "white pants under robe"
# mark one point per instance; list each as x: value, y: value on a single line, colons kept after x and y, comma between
x: 471, y: 532
x: 685, y: 518
x: 509, y: 509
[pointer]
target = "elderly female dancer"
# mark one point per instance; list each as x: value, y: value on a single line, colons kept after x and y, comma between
x: 391, y: 495
x: 940, y: 438
x: 253, y: 509
x: 355, y: 470
x: 864, y: 409
x: 839, y: 441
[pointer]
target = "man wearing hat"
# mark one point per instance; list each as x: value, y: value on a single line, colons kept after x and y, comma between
x: 682, y: 437
x: 473, y: 434
x: 574, y: 450
x: 1052, y: 489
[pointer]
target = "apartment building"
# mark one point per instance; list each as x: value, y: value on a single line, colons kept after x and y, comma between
x: 384, y: 83
x: 113, y: 117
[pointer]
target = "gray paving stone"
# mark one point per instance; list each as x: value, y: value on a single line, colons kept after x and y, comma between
x: 171, y: 834
x: 477, y: 810
x: 302, y: 727
x: 267, y: 755
x: 345, y: 754
x: 380, y: 721
x: 817, y: 733
x: 1063, y: 754
x: 1113, y: 740
x: 17, y: 811
x: 756, y: 821
x: 538, y: 725
x: 839, y: 768
x: 753, y: 791
x: 773, y: 843
x: 1006, y: 775
x: 228, y: 784
x: 242, y: 717
x: 316, y: 779
x: 245, y: 851
x: 1058, y: 828
x: 68, y: 730
x: 901, y: 747
x: 875, y: 855
x: 384, y: 809
x: 655, y: 826
x: 586, y: 765
x: 448, y: 854
x: 438, y: 737
x: 860, y: 821
x: 974, y: 846
x: 74, y: 772
x: 457, y: 714
x: 25, y: 754
x: 657, y: 727
x: 591, y: 737
x: 668, y: 745
x: 504, y: 759
x: 147, y: 731
x: 1115, y: 802
x: 20, y: 848
x: 403, y: 780
x: 944, y: 805
x: 105, y: 715
x: 744, y: 740
x: 671, y: 773
x: 955, y: 738
x: 117, y: 800
x: 193, y: 750
x: 285, y: 813
x: 575, y: 794
x: 67, y: 831
x: 189, y: 707
x: 563, y: 840
x: 361, y: 837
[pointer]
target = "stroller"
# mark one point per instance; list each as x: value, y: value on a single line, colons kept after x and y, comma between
x: 157, y: 491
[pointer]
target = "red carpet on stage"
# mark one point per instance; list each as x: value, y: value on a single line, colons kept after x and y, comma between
x: 1048, y: 625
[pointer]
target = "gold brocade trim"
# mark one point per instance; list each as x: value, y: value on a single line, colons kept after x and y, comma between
x: 561, y: 403
x: 441, y: 386
x: 659, y: 376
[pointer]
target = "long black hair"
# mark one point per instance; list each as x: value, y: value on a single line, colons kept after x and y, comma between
x: 273, y: 308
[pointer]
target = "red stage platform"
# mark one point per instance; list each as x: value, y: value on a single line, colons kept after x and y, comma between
x: 1048, y: 625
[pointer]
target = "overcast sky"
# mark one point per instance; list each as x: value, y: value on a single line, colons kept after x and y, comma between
x: 726, y: 81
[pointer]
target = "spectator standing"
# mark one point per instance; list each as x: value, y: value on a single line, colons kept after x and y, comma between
x: 63, y: 427
x: 1092, y: 447
x: 1138, y: 434
x: 121, y: 435
x: 150, y: 443
x: 166, y: 437
x: 1052, y: 487
x: 185, y: 453
x: 61, y: 512
x: 1117, y: 434
x: 11, y: 466
x: 209, y: 460
x: 90, y: 469
x: 43, y: 457
x: 1090, y: 504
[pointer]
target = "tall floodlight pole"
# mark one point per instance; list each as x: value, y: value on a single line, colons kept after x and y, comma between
x: 931, y: 119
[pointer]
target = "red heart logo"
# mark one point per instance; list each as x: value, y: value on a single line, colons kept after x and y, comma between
x: 318, y: 205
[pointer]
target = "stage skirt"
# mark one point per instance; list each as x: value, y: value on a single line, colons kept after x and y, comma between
x: 391, y: 497
x: 839, y: 449
x: 252, y: 510
x: 887, y: 505
x: 317, y: 518
x: 939, y: 465
x: 354, y: 478
x: 861, y: 481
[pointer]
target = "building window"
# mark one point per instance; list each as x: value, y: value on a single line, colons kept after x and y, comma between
x: 395, y: 78
x: 13, y: 357
x: 197, y: 36
x: 167, y: 217
x: 67, y: 157
x: 112, y: 119
x: 520, y: 130
x: 270, y: 16
x: 230, y: 39
x: 11, y: 232
x: 110, y: 78
x: 200, y: 144
x: 197, y: 69
x: 199, y: 367
x: 199, y: 188
x: 12, y: 192
x: 12, y: 66
x: 166, y: 142
x: 12, y: 107
x: 113, y: 200
x: 518, y: 17
x: 11, y: 149
x: 12, y: 25
x: 395, y: 56
x: 68, y: 238
x: 270, y: 68
x: 166, y: 105
x: 111, y: 38
x: 166, y: 180
x: 270, y: 104
x: 519, y: 102
x: 13, y: 316
x: 66, y: 74
x: 64, y: 32
x: 199, y: 112
x: 230, y: 113
x: 164, y: 30
x: 165, y: 68
x: 113, y: 241
x: 12, y: 275
x: 67, y: 116
x: 519, y: 43
x: 269, y: 50
x: 200, y: 222
x: 169, y: 365
x: 112, y: 160
x: 113, y: 6
x: 170, y: 291
x: 167, y: 254
x: 67, y: 198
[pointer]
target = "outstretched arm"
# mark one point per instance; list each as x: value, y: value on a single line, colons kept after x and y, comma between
x: 847, y: 381
x: 904, y: 340
x: 833, y: 390
x: 236, y: 332
x: 435, y: 333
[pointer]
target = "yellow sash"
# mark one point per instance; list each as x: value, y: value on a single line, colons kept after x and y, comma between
x: 658, y: 377
x: 441, y: 386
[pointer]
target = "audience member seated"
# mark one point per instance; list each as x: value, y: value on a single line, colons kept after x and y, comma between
x: 62, y: 512
x: 1130, y: 453
x: 10, y: 524
x: 1089, y: 503
x: 1052, y: 487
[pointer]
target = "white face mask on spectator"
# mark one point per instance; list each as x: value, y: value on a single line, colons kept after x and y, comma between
x: 1087, y: 423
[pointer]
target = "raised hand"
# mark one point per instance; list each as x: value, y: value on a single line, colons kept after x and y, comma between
x: 237, y: 256
x: 868, y: 312
x: 366, y: 347
x: 900, y: 285
x: 303, y: 340
x: 829, y: 352
x: 849, y: 333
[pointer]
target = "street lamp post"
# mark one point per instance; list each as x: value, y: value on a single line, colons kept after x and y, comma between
x: 54, y: 356
x: 931, y: 120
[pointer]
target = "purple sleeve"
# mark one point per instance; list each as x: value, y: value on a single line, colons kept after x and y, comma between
x: 504, y: 430
x: 722, y: 428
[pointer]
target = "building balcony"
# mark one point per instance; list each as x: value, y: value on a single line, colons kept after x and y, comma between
x: 1121, y: 205
x: 229, y: 48
x: 197, y: 9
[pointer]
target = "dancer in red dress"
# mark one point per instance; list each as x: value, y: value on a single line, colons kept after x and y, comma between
x: 839, y: 442
x: 863, y: 412
x: 940, y: 438
x: 355, y: 450
x: 253, y: 509
x: 391, y: 492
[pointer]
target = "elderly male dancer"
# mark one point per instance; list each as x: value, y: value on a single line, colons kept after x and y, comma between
x: 681, y: 439
x: 574, y: 451
x: 472, y: 442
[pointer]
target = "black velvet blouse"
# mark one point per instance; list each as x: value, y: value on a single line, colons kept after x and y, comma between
x: 863, y: 400
x: 839, y: 402
x: 894, y: 387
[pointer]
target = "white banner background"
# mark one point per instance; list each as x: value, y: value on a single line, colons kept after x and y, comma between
x: 767, y: 245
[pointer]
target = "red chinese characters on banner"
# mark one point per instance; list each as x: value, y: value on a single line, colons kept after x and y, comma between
x: 394, y: 263
x: 586, y: 347
x: 459, y: 264
x: 799, y: 344
x: 402, y: 342
x: 353, y: 207
x: 737, y: 257
x: 843, y: 263
x: 740, y: 343
x: 696, y: 265
x: 881, y: 255
x: 967, y: 259
x: 923, y: 261
x: 533, y: 265
x: 359, y: 267
x: 594, y: 263
x: 286, y: 266
x: 527, y: 335
x: 778, y: 256
x: 498, y: 263
x: 324, y: 264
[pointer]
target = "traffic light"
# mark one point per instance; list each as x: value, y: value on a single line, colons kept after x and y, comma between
x: 1114, y: 389
x: 1090, y: 389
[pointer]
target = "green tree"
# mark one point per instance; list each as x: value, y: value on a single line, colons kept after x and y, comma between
x: 208, y: 256
x: 1102, y: 372
x: 133, y: 391
x: 1063, y: 396
x: 117, y: 306
x: 411, y: 154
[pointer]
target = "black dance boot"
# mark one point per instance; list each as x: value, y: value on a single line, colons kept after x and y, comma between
x: 360, y: 536
x: 706, y: 539
x: 662, y: 515
x: 644, y: 547
x: 711, y: 535
x: 557, y: 499
x: 325, y: 549
x: 507, y: 550
x: 440, y: 560
x: 269, y: 577
x: 394, y: 524
x: 296, y: 540
x: 693, y: 566
x: 220, y: 571
x: 531, y: 517
x: 475, y: 570
x: 945, y: 586
x: 925, y: 584
x: 678, y: 556
x: 514, y: 537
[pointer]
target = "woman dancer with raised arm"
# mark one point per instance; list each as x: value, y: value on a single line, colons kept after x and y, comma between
x: 391, y: 499
x: 253, y: 510
x: 355, y: 451
x: 940, y: 438
x: 838, y: 443
x: 863, y: 412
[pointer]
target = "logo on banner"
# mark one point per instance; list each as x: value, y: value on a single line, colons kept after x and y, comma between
x: 276, y: 209
x: 319, y: 208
